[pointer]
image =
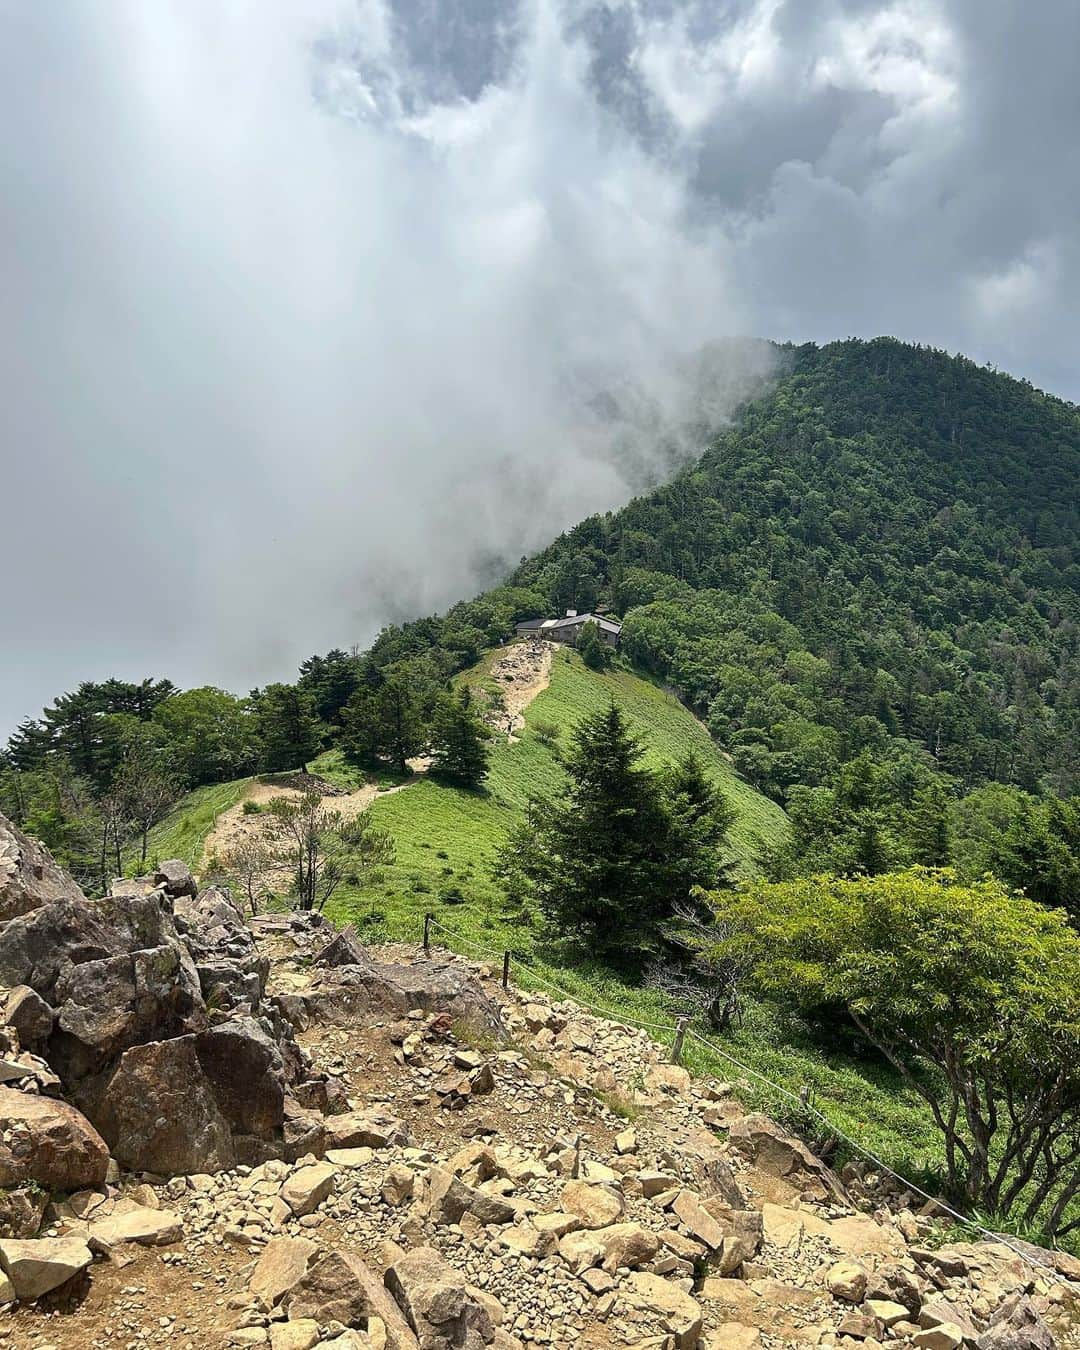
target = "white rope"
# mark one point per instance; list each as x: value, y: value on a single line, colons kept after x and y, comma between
x: 861, y: 1148
x: 611, y: 1015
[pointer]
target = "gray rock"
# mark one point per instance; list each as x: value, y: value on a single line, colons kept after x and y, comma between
x: 175, y: 878
x: 439, y: 1308
x: 158, y: 1112
x: 29, y: 876
x: 246, y: 1073
x: 30, y: 1015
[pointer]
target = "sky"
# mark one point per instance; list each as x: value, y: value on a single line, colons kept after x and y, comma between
x: 318, y: 314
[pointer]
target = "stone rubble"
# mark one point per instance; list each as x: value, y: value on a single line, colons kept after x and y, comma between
x: 455, y: 1167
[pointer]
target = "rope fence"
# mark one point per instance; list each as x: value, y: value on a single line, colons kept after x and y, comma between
x: 679, y: 1030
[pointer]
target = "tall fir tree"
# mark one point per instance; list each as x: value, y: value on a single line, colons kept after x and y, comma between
x: 459, y: 739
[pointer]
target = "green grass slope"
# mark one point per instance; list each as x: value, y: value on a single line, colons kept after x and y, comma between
x: 182, y: 832
x: 446, y: 838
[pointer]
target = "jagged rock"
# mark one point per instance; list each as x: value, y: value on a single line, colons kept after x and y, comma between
x: 174, y: 877
x: 39, y: 1265
x: 370, y: 987
x: 581, y: 1250
x: 28, y: 875
x: 886, y: 1311
x: 449, y: 1198
x: 595, y: 1206
x: 49, y: 1142
x: 439, y: 1309
x: 284, y: 1263
x: 30, y: 1015
x: 697, y: 1220
x: 345, y: 949
x: 38, y: 947
x: 159, y: 1114
x: 773, y: 1150
x: 308, y: 1187
x: 246, y: 1073
x: 1016, y: 1325
x: 22, y: 1209
x: 893, y: 1282
x: 303, y: 1334
x: 626, y: 1244
x: 105, y: 1006
x: 742, y: 1240
x: 365, y: 1129
x: 397, y: 1185
x: 341, y: 1288
x: 678, y: 1314
x: 846, y: 1280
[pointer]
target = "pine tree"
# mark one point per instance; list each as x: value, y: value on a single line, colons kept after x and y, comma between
x: 458, y: 742
x: 929, y: 832
x: 593, y: 857
x: 699, y: 823
x: 287, y: 729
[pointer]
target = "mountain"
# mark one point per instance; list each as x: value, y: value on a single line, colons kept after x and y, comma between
x: 879, y: 557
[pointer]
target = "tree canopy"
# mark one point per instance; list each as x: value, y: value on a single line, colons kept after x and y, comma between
x: 972, y: 992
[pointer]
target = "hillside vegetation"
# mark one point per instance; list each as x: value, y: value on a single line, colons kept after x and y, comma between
x: 446, y: 837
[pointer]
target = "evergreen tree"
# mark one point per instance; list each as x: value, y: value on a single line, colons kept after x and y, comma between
x: 592, y: 649
x: 388, y: 721
x: 929, y: 831
x: 458, y: 741
x: 287, y: 730
x: 699, y: 823
x: 593, y: 857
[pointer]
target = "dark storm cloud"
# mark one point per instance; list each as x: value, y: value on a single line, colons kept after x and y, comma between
x: 318, y: 313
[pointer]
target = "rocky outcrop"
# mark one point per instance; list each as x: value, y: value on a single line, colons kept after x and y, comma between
x: 366, y: 987
x: 159, y: 1112
x: 48, y: 1142
x: 150, y: 1006
x: 28, y: 875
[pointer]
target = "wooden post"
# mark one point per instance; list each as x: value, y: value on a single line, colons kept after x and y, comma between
x: 506, y: 970
x: 680, y: 1032
x: 427, y: 933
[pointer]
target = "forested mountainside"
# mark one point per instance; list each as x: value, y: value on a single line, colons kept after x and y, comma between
x: 883, y: 549
x: 867, y: 588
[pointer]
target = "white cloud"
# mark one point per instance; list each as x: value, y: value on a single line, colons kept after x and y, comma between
x: 308, y: 304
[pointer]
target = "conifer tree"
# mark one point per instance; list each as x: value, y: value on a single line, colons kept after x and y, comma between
x: 459, y: 742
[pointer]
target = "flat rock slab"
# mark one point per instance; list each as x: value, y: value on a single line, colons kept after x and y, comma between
x: 145, y: 1226
x: 37, y: 1265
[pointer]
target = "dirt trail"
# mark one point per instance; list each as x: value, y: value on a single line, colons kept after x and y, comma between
x: 235, y: 826
x: 523, y: 672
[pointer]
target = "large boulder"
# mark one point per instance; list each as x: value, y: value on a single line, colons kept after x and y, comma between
x: 246, y: 1073
x: 341, y: 1288
x: 38, y: 1265
x: 439, y: 1308
x: 41, y: 946
x: 368, y: 988
x: 33, y: 1019
x: 772, y: 1150
x: 159, y: 1113
x: 28, y: 875
x: 105, y: 1006
x: 174, y: 877
x: 49, y: 1142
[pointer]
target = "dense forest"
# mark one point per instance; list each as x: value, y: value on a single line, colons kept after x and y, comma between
x: 867, y: 588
